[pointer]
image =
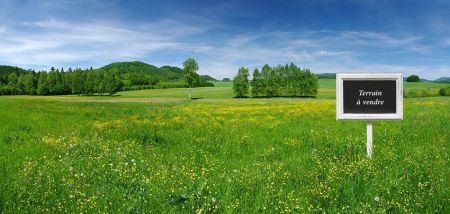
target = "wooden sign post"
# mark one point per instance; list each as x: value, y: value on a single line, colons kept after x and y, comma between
x: 369, y: 97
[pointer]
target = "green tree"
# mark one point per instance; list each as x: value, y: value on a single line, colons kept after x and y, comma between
x: 12, y: 79
x: 256, y: 83
x: 20, y: 86
x: 101, y: 81
x: 29, y: 84
x: 77, y: 81
x: 89, y: 85
x: 287, y: 80
x: 54, y: 82
x: 444, y: 91
x: 43, y: 88
x: 112, y: 82
x: 413, y: 78
x: 240, y: 82
x: 190, y: 67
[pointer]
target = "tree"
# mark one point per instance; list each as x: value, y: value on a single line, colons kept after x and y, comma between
x: 89, y: 85
x: 12, y: 79
x: 29, y: 84
x: 240, y: 82
x: 287, y: 80
x: 226, y: 80
x: 444, y: 91
x: 101, y: 81
x: 256, y: 83
x: 66, y: 81
x: 190, y: 68
x: 43, y: 88
x: 54, y: 82
x: 77, y: 82
x: 112, y: 82
x: 413, y: 78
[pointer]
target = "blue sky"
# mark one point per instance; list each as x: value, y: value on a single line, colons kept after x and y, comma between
x: 411, y: 37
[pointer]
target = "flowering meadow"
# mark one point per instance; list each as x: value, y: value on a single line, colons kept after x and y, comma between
x: 61, y: 155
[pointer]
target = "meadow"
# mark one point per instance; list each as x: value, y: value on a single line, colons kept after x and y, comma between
x: 155, y: 151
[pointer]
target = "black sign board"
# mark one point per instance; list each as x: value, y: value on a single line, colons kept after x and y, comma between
x: 369, y: 96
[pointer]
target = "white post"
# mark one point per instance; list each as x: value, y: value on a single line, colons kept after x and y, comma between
x: 369, y: 139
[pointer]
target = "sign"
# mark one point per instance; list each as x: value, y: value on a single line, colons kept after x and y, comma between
x: 369, y: 96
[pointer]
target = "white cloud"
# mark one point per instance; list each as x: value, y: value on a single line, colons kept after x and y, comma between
x: 323, y: 51
x: 376, y: 38
x: 58, y: 42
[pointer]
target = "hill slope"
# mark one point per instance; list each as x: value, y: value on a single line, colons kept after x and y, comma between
x: 165, y: 73
x: 443, y: 79
x: 327, y: 76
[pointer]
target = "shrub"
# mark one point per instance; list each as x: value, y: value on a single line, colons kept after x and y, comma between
x: 413, y: 78
x: 444, y: 91
x: 180, y: 84
x: 413, y: 93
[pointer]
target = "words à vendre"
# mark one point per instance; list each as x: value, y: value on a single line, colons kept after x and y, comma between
x: 375, y: 102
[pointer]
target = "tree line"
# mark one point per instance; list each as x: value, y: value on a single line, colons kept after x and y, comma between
x: 60, y: 82
x: 102, y: 81
x: 288, y: 80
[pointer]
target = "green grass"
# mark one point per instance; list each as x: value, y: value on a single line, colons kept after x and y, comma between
x: 218, y: 155
x: 223, y: 90
x: 203, y: 92
x: 220, y: 91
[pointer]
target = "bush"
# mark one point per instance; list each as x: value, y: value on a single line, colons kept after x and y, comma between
x: 413, y: 78
x: 414, y: 93
x: 444, y: 91
x: 180, y: 84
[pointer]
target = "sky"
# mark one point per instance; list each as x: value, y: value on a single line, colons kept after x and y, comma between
x: 409, y: 37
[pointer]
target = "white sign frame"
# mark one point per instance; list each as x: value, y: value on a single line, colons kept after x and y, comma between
x: 340, y: 77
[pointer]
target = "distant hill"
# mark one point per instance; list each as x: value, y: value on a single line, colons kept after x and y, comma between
x: 136, y: 68
x: 327, y: 76
x: 425, y: 80
x: 5, y: 70
x: 207, y: 77
x: 443, y: 79
x: 137, y: 73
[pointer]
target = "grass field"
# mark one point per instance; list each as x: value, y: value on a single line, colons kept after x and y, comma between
x: 224, y: 90
x: 155, y: 151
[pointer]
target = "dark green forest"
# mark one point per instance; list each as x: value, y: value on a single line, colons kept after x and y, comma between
x: 106, y: 80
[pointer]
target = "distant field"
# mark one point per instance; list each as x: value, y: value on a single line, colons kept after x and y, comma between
x: 154, y: 151
x: 327, y: 89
